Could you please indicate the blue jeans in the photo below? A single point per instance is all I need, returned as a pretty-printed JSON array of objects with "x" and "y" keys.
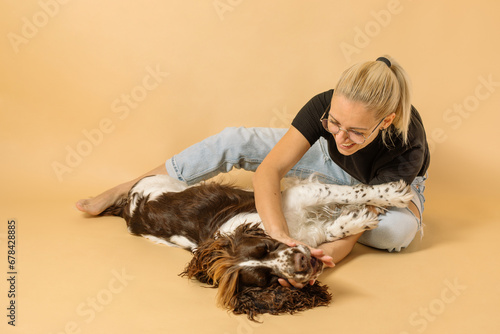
[{"x": 246, "y": 148}]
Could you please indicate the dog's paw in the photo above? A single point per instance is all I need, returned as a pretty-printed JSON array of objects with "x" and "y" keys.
[
  {"x": 352, "y": 221},
  {"x": 397, "y": 194}
]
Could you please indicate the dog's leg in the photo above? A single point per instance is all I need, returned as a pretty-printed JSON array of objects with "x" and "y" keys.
[
  {"x": 175, "y": 241},
  {"x": 351, "y": 221},
  {"x": 303, "y": 195}
]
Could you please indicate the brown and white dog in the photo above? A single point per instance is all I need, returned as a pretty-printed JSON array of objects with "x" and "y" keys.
[{"x": 221, "y": 227}]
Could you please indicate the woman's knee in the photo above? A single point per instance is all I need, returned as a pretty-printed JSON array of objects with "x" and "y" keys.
[
  {"x": 230, "y": 136},
  {"x": 250, "y": 139},
  {"x": 396, "y": 230}
]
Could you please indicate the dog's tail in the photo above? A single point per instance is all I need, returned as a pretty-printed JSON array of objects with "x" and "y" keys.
[{"x": 117, "y": 208}]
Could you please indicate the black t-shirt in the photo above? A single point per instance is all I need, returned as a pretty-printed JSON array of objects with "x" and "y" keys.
[{"x": 376, "y": 163}]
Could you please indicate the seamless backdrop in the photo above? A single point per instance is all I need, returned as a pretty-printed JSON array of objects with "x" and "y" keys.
[{"x": 95, "y": 93}]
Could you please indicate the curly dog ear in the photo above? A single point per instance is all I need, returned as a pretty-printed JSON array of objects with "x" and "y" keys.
[
  {"x": 277, "y": 299},
  {"x": 213, "y": 263},
  {"x": 205, "y": 256},
  {"x": 219, "y": 249}
]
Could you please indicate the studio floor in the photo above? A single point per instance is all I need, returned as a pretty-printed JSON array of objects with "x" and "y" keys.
[
  {"x": 96, "y": 93},
  {"x": 78, "y": 274}
]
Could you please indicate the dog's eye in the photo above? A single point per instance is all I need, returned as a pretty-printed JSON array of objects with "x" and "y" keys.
[
  {"x": 272, "y": 246},
  {"x": 262, "y": 250}
]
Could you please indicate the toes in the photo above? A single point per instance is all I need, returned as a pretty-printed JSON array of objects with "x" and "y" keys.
[
  {"x": 81, "y": 205},
  {"x": 85, "y": 206}
]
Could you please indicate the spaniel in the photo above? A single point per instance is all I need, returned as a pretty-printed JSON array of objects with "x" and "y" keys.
[{"x": 231, "y": 250}]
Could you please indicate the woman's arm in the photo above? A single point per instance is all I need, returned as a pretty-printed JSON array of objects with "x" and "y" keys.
[
  {"x": 266, "y": 181},
  {"x": 339, "y": 249}
]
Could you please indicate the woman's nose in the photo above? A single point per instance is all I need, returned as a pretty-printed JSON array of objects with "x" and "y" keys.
[{"x": 342, "y": 135}]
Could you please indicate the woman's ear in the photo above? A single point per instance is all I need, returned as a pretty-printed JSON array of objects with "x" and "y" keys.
[{"x": 388, "y": 121}]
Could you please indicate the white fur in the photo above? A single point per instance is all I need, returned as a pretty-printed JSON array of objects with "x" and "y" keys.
[
  {"x": 157, "y": 240},
  {"x": 317, "y": 212},
  {"x": 232, "y": 224},
  {"x": 175, "y": 241},
  {"x": 282, "y": 262},
  {"x": 154, "y": 186},
  {"x": 183, "y": 242}
]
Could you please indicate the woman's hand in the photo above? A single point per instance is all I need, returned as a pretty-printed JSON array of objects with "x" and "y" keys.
[{"x": 316, "y": 252}]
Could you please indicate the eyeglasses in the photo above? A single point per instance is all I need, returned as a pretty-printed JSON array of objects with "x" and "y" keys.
[{"x": 334, "y": 129}]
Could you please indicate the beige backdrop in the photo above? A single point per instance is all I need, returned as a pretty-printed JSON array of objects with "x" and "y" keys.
[{"x": 94, "y": 93}]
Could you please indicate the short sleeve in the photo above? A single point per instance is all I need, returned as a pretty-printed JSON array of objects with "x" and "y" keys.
[{"x": 307, "y": 120}]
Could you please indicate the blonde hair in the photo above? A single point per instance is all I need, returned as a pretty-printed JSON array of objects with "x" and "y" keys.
[{"x": 383, "y": 90}]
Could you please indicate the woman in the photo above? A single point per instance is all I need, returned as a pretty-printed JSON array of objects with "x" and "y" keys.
[{"x": 365, "y": 130}]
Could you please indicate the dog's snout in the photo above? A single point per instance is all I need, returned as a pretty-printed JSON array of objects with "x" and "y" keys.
[{"x": 300, "y": 261}]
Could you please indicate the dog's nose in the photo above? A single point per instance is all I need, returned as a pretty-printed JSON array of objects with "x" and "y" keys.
[{"x": 300, "y": 261}]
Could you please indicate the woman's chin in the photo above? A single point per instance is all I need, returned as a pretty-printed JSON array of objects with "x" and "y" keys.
[{"x": 348, "y": 149}]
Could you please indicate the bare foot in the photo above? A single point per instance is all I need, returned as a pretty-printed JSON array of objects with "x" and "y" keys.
[{"x": 96, "y": 205}]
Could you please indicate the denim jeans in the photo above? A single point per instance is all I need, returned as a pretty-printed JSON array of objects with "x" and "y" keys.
[{"x": 246, "y": 148}]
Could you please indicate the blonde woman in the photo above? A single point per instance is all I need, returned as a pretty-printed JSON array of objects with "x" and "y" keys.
[{"x": 363, "y": 131}]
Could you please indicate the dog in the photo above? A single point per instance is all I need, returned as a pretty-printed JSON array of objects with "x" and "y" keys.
[{"x": 220, "y": 225}]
